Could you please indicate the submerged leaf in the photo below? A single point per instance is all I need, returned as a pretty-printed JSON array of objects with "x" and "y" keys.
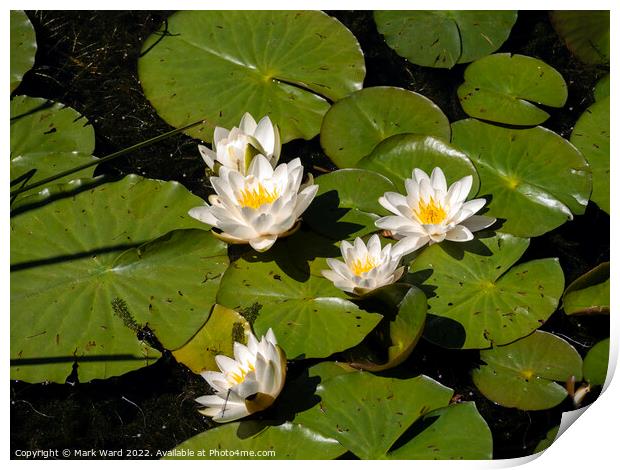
[{"x": 23, "y": 46}]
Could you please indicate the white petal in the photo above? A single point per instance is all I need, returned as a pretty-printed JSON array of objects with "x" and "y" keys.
[
  {"x": 478, "y": 222},
  {"x": 249, "y": 386},
  {"x": 466, "y": 183},
  {"x": 226, "y": 364},
  {"x": 247, "y": 124},
  {"x": 263, "y": 243},
  {"x": 231, "y": 413},
  {"x": 271, "y": 337},
  {"x": 459, "y": 234},
  {"x": 339, "y": 267},
  {"x": 374, "y": 247},
  {"x": 260, "y": 167},
  {"x": 409, "y": 244},
  {"x": 219, "y": 134},
  {"x": 304, "y": 199},
  {"x": 252, "y": 344},
  {"x": 265, "y": 134},
  {"x": 207, "y": 155},
  {"x": 243, "y": 354},
  {"x": 438, "y": 180},
  {"x": 203, "y": 213},
  {"x": 420, "y": 175},
  {"x": 474, "y": 205}
]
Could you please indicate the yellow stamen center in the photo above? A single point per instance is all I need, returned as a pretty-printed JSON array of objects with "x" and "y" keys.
[
  {"x": 256, "y": 197},
  {"x": 239, "y": 375},
  {"x": 430, "y": 212},
  {"x": 360, "y": 267}
]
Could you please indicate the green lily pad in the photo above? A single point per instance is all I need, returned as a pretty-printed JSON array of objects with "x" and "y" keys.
[
  {"x": 591, "y": 136},
  {"x": 523, "y": 374},
  {"x": 217, "y": 336},
  {"x": 23, "y": 46},
  {"x": 602, "y": 88},
  {"x": 218, "y": 65},
  {"x": 442, "y": 38},
  {"x": 85, "y": 277},
  {"x": 455, "y": 432},
  {"x": 478, "y": 299},
  {"x": 47, "y": 138},
  {"x": 310, "y": 317},
  {"x": 397, "y": 156},
  {"x": 596, "y": 363},
  {"x": 548, "y": 440},
  {"x": 347, "y": 203},
  {"x": 589, "y": 293},
  {"x": 367, "y": 414},
  {"x": 586, "y": 33},
  {"x": 536, "y": 179},
  {"x": 253, "y": 439},
  {"x": 405, "y": 311},
  {"x": 502, "y": 87},
  {"x": 356, "y": 124}
]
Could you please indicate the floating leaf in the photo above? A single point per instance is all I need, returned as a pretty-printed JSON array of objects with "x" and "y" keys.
[
  {"x": 347, "y": 203},
  {"x": 442, "y": 38},
  {"x": 397, "y": 156},
  {"x": 219, "y": 64},
  {"x": 367, "y": 414},
  {"x": 548, "y": 440},
  {"x": 477, "y": 299},
  {"x": 356, "y": 124},
  {"x": 591, "y": 136},
  {"x": 523, "y": 374},
  {"x": 535, "y": 178},
  {"x": 23, "y": 47},
  {"x": 586, "y": 33},
  {"x": 85, "y": 277},
  {"x": 502, "y": 87},
  {"x": 596, "y": 363},
  {"x": 216, "y": 336},
  {"x": 601, "y": 90},
  {"x": 252, "y": 439},
  {"x": 455, "y": 432},
  {"x": 589, "y": 293},
  {"x": 47, "y": 138},
  {"x": 310, "y": 317},
  {"x": 403, "y": 326}
]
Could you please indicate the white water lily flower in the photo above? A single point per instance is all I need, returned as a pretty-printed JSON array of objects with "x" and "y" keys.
[
  {"x": 258, "y": 207},
  {"x": 236, "y": 148},
  {"x": 430, "y": 212},
  {"x": 365, "y": 267},
  {"x": 248, "y": 383}
]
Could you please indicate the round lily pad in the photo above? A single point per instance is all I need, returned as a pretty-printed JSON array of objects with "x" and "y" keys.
[
  {"x": 89, "y": 272},
  {"x": 503, "y": 87},
  {"x": 252, "y": 439},
  {"x": 589, "y": 293},
  {"x": 286, "y": 291},
  {"x": 443, "y": 38},
  {"x": 217, "y": 336},
  {"x": 347, "y": 203},
  {"x": 476, "y": 297},
  {"x": 601, "y": 90},
  {"x": 536, "y": 180},
  {"x": 47, "y": 138},
  {"x": 523, "y": 374},
  {"x": 591, "y": 136},
  {"x": 217, "y": 65},
  {"x": 596, "y": 363},
  {"x": 397, "y": 156},
  {"x": 367, "y": 414},
  {"x": 586, "y": 33},
  {"x": 455, "y": 432},
  {"x": 23, "y": 46},
  {"x": 356, "y": 124}
]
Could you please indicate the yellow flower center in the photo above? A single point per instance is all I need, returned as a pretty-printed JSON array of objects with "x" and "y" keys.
[
  {"x": 360, "y": 267},
  {"x": 256, "y": 197},
  {"x": 430, "y": 212},
  {"x": 239, "y": 375}
]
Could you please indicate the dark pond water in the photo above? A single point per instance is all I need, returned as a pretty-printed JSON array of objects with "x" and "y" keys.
[{"x": 87, "y": 60}]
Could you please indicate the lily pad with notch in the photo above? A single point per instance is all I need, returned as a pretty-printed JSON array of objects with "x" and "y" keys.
[
  {"x": 346, "y": 205},
  {"x": 476, "y": 285},
  {"x": 523, "y": 374},
  {"x": 536, "y": 180},
  {"x": 397, "y": 156},
  {"x": 23, "y": 47},
  {"x": 47, "y": 138},
  {"x": 503, "y": 87},
  {"x": 310, "y": 317},
  {"x": 217, "y": 65},
  {"x": 444, "y": 38},
  {"x": 356, "y": 124},
  {"x": 91, "y": 273},
  {"x": 588, "y": 294}
]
